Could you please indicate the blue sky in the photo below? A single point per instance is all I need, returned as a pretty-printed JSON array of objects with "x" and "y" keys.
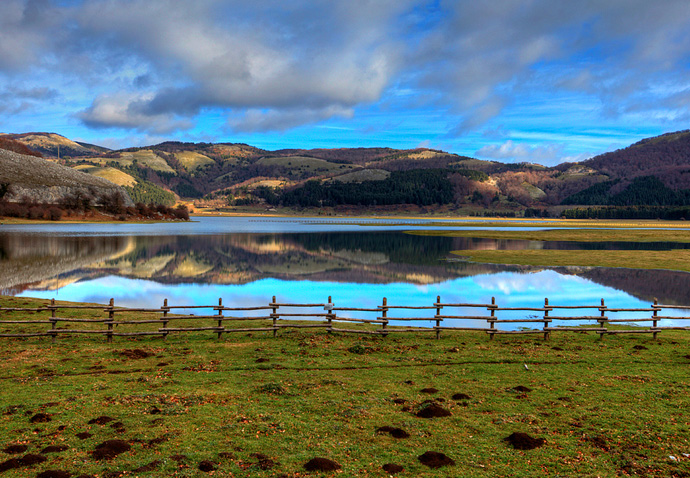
[{"x": 544, "y": 81}]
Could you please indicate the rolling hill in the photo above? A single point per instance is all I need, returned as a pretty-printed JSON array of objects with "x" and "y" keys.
[{"x": 655, "y": 171}]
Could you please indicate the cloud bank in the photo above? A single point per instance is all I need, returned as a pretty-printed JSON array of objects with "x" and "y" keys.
[{"x": 158, "y": 66}]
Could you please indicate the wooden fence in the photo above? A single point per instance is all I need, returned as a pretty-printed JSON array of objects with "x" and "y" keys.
[{"x": 383, "y": 320}]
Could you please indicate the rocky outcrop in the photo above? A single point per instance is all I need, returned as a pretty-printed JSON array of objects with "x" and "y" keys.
[{"x": 47, "y": 182}]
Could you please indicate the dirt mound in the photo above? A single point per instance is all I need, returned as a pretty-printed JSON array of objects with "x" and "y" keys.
[
  {"x": 136, "y": 354},
  {"x": 119, "y": 427},
  {"x": 521, "y": 389},
  {"x": 321, "y": 464},
  {"x": 263, "y": 462},
  {"x": 640, "y": 347},
  {"x": 558, "y": 349},
  {"x": 110, "y": 449},
  {"x": 10, "y": 464},
  {"x": 429, "y": 390},
  {"x": 54, "y": 449},
  {"x": 54, "y": 474},
  {"x": 113, "y": 474},
  {"x": 598, "y": 441},
  {"x": 522, "y": 441},
  {"x": 31, "y": 459},
  {"x": 460, "y": 396},
  {"x": 434, "y": 459},
  {"x": 40, "y": 418},
  {"x": 150, "y": 467},
  {"x": 102, "y": 420},
  {"x": 207, "y": 466},
  {"x": 26, "y": 460},
  {"x": 433, "y": 410},
  {"x": 156, "y": 441},
  {"x": 179, "y": 458},
  {"x": 392, "y": 468},
  {"x": 15, "y": 449},
  {"x": 83, "y": 435},
  {"x": 394, "y": 432},
  {"x": 262, "y": 360},
  {"x": 399, "y": 401}
]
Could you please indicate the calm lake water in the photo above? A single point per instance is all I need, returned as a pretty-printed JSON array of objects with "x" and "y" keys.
[{"x": 246, "y": 261}]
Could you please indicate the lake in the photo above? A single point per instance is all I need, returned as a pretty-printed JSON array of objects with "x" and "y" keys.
[{"x": 246, "y": 261}]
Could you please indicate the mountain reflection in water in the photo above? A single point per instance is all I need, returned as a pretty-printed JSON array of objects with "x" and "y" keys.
[{"x": 40, "y": 262}]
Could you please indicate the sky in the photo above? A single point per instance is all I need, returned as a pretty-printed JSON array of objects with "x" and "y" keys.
[{"x": 543, "y": 81}]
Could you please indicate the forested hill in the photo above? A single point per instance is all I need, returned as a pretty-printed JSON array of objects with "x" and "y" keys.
[
  {"x": 653, "y": 172},
  {"x": 666, "y": 157}
]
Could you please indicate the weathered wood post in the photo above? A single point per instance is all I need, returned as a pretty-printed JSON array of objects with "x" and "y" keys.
[
  {"x": 493, "y": 316},
  {"x": 438, "y": 319},
  {"x": 546, "y": 317},
  {"x": 602, "y": 319},
  {"x": 274, "y": 315},
  {"x": 220, "y": 316},
  {"x": 654, "y": 316},
  {"x": 53, "y": 321},
  {"x": 384, "y": 317},
  {"x": 111, "y": 318},
  {"x": 329, "y": 307},
  {"x": 165, "y": 318}
]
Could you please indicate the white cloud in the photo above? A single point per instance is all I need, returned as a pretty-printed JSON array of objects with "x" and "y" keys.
[
  {"x": 125, "y": 111},
  {"x": 281, "y": 64},
  {"x": 281, "y": 120},
  {"x": 510, "y": 151}
]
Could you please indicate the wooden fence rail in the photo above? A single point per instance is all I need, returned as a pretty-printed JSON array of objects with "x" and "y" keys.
[{"x": 108, "y": 321}]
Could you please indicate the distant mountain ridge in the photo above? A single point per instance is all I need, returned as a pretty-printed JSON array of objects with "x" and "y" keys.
[{"x": 241, "y": 174}]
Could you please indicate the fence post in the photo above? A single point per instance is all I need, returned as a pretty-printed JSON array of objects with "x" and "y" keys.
[
  {"x": 546, "y": 316},
  {"x": 654, "y": 316},
  {"x": 111, "y": 318},
  {"x": 438, "y": 320},
  {"x": 329, "y": 308},
  {"x": 602, "y": 320},
  {"x": 53, "y": 320},
  {"x": 275, "y": 317},
  {"x": 493, "y": 316},
  {"x": 220, "y": 315},
  {"x": 384, "y": 317},
  {"x": 164, "y": 318}
]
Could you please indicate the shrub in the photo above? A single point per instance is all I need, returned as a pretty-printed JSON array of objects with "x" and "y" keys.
[{"x": 55, "y": 213}]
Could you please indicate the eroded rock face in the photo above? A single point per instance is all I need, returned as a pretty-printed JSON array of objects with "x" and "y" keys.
[{"x": 47, "y": 182}]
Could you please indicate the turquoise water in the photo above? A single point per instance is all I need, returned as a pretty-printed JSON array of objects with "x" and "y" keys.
[{"x": 246, "y": 261}]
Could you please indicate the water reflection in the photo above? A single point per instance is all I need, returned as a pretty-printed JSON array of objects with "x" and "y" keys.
[{"x": 352, "y": 261}]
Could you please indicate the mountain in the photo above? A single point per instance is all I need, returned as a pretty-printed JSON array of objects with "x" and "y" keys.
[
  {"x": 35, "y": 179},
  {"x": 51, "y": 145},
  {"x": 666, "y": 157},
  {"x": 654, "y": 171}
]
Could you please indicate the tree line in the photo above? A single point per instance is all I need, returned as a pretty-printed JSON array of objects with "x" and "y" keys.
[{"x": 422, "y": 187}]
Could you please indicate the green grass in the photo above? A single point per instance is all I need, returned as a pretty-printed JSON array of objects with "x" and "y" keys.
[
  {"x": 307, "y": 164},
  {"x": 573, "y": 235},
  {"x": 605, "y": 407},
  {"x": 676, "y": 259}
]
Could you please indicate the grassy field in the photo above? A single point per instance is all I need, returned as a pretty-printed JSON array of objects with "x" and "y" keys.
[
  {"x": 254, "y": 405},
  {"x": 675, "y": 259}
]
